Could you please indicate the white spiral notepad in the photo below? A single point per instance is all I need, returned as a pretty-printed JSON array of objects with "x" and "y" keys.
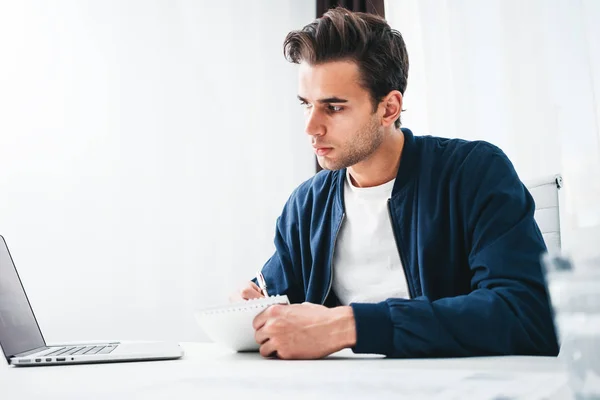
[{"x": 231, "y": 324}]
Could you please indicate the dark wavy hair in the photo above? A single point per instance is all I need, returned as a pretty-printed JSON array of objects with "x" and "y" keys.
[{"x": 367, "y": 39}]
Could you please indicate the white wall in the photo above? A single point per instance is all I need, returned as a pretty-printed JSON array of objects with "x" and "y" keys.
[
  {"x": 524, "y": 75},
  {"x": 146, "y": 149}
]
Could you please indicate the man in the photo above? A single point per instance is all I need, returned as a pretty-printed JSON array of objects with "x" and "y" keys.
[{"x": 405, "y": 246}]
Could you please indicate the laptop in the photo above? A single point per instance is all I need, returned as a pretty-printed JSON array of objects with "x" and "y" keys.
[{"x": 22, "y": 342}]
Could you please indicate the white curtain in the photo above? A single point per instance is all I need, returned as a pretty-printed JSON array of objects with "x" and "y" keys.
[
  {"x": 524, "y": 75},
  {"x": 146, "y": 149}
]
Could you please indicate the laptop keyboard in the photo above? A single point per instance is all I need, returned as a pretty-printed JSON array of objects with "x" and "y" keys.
[{"x": 80, "y": 350}]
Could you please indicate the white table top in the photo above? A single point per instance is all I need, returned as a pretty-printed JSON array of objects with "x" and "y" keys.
[{"x": 208, "y": 371}]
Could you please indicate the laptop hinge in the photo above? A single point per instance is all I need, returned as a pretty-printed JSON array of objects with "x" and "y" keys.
[{"x": 27, "y": 353}]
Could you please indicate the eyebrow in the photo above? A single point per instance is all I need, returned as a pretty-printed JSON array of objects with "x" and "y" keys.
[{"x": 326, "y": 100}]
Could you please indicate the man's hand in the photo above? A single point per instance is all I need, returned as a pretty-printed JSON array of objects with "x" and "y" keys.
[
  {"x": 304, "y": 331},
  {"x": 250, "y": 291}
]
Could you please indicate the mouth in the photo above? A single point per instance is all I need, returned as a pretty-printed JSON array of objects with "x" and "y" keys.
[{"x": 322, "y": 151}]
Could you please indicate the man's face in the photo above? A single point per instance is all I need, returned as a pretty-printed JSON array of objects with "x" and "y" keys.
[{"x": 340, "y": 121}]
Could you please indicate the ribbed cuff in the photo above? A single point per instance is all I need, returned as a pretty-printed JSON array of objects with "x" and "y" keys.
[{"x": 374, "y": 329}]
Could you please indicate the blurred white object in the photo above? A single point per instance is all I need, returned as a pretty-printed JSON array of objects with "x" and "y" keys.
[
  {"x": 574, "y": 287},
  {"x": 547, "y": 214}
]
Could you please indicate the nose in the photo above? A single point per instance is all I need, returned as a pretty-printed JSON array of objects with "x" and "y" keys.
[{"x": 314, "y": 124}]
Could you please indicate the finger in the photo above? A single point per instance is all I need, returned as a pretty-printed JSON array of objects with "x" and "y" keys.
[
  {"x": 257, "y": 289},
  {"x": 251, "y": 292},
  {"x": 254, "y": 287},
  {"x": 261, "y": 336},
  {"x": 261, "y": 319},
  {"x": 268, "y": 349}
]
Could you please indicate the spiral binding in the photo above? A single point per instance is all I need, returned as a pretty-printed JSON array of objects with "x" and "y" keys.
[{"x": 251, "y": 304}]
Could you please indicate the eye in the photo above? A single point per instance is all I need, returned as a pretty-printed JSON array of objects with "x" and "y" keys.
[
  {"x": 305, "y": 104},
  {"x": 334, "y": 109}
]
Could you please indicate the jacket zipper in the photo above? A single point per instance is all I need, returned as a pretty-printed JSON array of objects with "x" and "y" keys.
[
  {"x": 337, "y": 232},
  {"x": 402, "y": 260}
]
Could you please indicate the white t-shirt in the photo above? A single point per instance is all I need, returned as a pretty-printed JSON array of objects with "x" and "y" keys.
[{"x": 366, "y": 262}]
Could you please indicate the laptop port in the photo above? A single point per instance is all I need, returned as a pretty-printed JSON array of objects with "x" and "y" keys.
[
  {"x": 48, "y": 359},
  {"x": 38, "y": 360},
  {"x": 60, "y": 359}
]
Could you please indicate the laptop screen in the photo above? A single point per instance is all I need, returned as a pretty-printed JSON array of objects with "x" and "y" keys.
[{"x": 19, "y": 331}]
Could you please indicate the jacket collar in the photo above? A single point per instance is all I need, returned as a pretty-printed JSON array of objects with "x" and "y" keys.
[
  {"x": 406, "y": 170},
  {"x": 408, "y": 162}
]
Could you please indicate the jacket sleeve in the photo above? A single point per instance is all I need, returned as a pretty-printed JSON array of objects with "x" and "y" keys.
[
  {"x": 507, "y": 310},
  {"x": 279, "y": 270}
]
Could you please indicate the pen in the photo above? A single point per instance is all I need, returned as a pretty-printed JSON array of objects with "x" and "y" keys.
[{"x": 261, "y": 283}]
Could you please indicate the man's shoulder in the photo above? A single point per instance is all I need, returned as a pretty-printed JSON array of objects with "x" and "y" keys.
[
  {"x": 468, "y": 165},
  {"x": 457, "y": 152},
  {"x": 457, "y": 146}
]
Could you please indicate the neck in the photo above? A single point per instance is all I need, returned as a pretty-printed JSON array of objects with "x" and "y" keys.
[{"x": 382, "y": 166}]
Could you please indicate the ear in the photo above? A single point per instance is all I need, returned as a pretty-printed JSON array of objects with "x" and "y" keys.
[{"x": 391, "y": 106}]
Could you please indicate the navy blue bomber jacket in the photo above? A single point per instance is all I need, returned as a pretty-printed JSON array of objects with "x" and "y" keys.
[{"x": 468, "y": 242}]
